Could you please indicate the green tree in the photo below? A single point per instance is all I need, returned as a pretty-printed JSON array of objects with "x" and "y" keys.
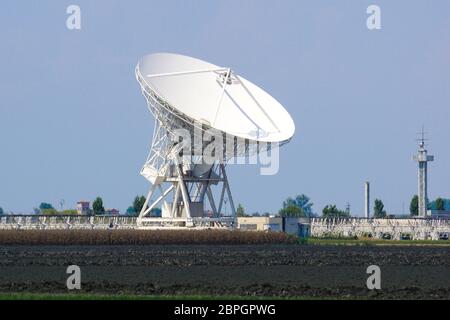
[
  {"x": 292, "y": 210},
  {"x": 414, "y": 206},
  {"x": 44, "y": 205},
  {"x": 131, "y": 211},
  {"x": 138, "y": 203},
  {"x": 302, "y": 201},
  {"x": 97, "y": 206},
  {"x": 331, "y": 211},
  {"x": 155, "y": 212},
  {"x": 240, "y": 212},
  {"x": 69, "y": 212},
  {"x": 378, "y": 210},
  {"x": 49, "y": 212},
  {"x": 1, "y": 211},
  {"x": 440, "y": 205}
]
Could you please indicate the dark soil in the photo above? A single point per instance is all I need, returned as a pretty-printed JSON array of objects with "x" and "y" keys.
[{"x": 257, "y": 270}]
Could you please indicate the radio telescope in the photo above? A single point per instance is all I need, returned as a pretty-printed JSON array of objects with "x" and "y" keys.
[{"x": 201, "y": 99}]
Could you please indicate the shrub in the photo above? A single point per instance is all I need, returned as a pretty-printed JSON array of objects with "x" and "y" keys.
[{"x": 142, "y": 237}]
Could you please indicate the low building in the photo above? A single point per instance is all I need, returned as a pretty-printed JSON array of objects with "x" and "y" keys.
[
  {"x": 83, "y": 207},
  {"x": 112, "y": 212},
  {"x": 297, "y": 226},
  {"x": 438, "y": 214},
  {"x": 260, "y": 223}
]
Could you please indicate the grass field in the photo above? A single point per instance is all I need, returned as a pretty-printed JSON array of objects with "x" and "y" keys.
[
  {"x": 375, "y": 242},
  {"x": 34, "y": 296}
]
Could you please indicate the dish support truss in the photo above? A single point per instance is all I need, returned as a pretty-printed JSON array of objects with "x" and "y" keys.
[
  {"x": 183, "y": 188},
  {"x": 189, "y": 182}
]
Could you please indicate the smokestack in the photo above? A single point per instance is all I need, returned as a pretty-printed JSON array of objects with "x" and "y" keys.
[{"x": 367, "y": 200}]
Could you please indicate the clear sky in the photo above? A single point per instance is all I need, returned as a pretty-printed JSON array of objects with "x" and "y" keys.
[{"x": 73, "y": 123}]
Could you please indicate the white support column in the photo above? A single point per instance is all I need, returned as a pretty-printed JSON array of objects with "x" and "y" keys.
[
  {"x": 144, "y": 207},
  {"x": 175, "y": 201},
  {"x": 184, "y": 192},
  {"x": 158, "y": 200},
  {"x": 212, "y": 202},
  {"x": 230, "y": 198}
]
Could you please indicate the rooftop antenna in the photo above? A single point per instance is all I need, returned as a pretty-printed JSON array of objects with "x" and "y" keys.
[{"x": 422, "y": 138}]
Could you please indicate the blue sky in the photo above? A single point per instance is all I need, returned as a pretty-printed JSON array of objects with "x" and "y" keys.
[{"x": 73, "y": 123}]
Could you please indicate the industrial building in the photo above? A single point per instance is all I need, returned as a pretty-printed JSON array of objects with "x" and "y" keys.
[
  {"x": 291, "y": 225},
  {"x": 83, "y": 207},
  {"x": 438, "y": 214}
]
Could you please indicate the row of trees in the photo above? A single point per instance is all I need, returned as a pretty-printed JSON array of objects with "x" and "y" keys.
[
  {"x": 48, "y": 209},
  {"x": 133, "y": 210},
  {"x": 301, "y": 207},
  {"x": 136, "y": 207},
  {"x": 331, "y": 211},
  {"x": 138, "y": 204},
  {"x": 438, "y": 204},
  {"x": 97, "y": 208}
]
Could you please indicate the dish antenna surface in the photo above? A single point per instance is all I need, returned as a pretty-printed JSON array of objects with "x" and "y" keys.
[{"x": 194, "y": 99}]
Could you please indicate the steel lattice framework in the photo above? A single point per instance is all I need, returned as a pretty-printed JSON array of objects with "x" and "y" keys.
[{"x": 188, "y": 189}]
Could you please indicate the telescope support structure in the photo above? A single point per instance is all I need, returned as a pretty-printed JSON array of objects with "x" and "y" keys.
[{"x": 181, "y": 188}]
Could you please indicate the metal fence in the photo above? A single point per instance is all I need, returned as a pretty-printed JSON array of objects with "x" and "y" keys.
[{"x": 66, "y": 222}]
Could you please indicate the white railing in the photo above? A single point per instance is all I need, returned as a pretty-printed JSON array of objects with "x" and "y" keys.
[
  {"x": 418, "y": 229},
  {"x": 66, "y": 222}
]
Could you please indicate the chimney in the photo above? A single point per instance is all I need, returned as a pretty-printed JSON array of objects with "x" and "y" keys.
[{"x": 367, "y": 200}]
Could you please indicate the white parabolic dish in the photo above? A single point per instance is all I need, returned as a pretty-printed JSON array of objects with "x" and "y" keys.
[{"x": 216, "y": 96}]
